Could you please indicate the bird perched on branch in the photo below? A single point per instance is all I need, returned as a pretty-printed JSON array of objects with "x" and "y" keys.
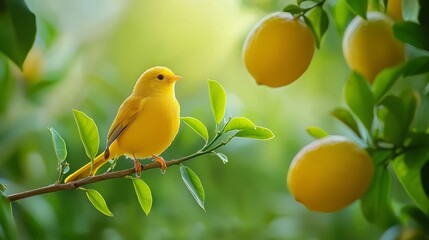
[{"x": 145, "y": 125}]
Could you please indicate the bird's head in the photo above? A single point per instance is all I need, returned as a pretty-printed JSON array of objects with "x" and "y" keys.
[{"x": 156, "y": 79}]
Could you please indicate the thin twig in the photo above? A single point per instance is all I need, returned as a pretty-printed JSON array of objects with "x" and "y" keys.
[{"x": 101, "y": 177}]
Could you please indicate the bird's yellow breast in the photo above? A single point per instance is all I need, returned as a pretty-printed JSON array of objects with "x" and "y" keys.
[{"x": 154, "y": 128}]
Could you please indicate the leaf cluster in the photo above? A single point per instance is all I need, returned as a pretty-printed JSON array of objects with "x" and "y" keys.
[
  {"x": 415, "y": 33},
  {"x": 314, "y": 16},
  {"x": 383, "y": 121},
  {"x": 225, "y": 131}
]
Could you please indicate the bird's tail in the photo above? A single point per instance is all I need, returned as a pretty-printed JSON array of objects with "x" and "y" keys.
[{"x": 85, "y": 171}]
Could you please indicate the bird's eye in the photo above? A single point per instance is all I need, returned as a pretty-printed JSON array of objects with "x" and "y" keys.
[{"x": 160, "y": 77}]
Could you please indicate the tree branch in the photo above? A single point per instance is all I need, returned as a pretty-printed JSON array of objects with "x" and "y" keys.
[{"x": 101, "y": 177}]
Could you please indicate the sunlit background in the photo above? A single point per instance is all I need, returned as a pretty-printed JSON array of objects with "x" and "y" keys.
[{"x": 87, "y": 56}]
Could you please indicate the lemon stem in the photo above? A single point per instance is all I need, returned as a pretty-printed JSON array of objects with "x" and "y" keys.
[{"x": 305, "y": 10}]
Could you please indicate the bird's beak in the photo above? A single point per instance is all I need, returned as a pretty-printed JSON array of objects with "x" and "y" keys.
[{"x": 176, "y": 77}]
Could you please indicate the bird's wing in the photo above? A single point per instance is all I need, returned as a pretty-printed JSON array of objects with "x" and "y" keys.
[{"x": 127, "y": 112}]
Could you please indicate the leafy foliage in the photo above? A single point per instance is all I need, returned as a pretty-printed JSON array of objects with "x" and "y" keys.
[
  {"x": 293, "y": 9},
  {"x": 233, "y": 127},
  {"x": 6, "y": 83},
  {"x": 359, "y": 98},
  {"x": 61, "y": 153},
  {"x": 88, "y": 133},
  {"x": 221, "y": 156},
  {"x": 376, "y": 206},
  {"x": 412, "y": 33},
  {"x": 394, "y": 120},
  {"x": 347, "y": 118},
  {"x": 7, "y": 223},
  {"x": 317, "y": 132},
  {"x": 197, "y": 126},
  {"x": 18, "y": 30},
  {"x": 342, "y": 15},
  {"x": 358, "y": 7},
  {"x": 317, "y": 20},
  {"x": 315, "y": 17},
  {"x": 193, "y": 183},
  {"x": 98, "y": 201},
  {"x": 3, "y": 187},
  {"x": 260, "y": 133},
  {"x": 143, "y": 194},
  {"x": 408, "y": 170},
  {"x": 384, "y": 121},
  {"x": 217, "y": 100},
  {"x": 385, "y": 80},
  {"x": 239, "y": 123},
  {"x": 380, "y": 115},
  {"x": 59, "y": 145}
]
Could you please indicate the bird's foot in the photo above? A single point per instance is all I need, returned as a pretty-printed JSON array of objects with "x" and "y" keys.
[
  {"x": 137, "y": 167},
  {"x": 161, "y": 162}
]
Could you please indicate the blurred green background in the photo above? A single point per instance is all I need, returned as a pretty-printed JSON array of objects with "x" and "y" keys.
[{"x": 87, "y": 56}]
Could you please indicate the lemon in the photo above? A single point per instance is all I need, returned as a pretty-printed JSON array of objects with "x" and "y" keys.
[
  {"x": 32, "y": 68},
  {"x": 278, "y": 50},
  {"x": 329, "y": 174},
  {"x": 369, "y": 45}
]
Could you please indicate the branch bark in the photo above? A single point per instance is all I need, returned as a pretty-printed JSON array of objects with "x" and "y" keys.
[{"x": 101, "y": 177}]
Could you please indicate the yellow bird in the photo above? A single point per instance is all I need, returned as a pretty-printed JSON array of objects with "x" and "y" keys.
[{"x": 145, "y": 125}]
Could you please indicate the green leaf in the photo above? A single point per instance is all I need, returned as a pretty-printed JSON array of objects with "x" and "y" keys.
[
  {"x": 399, "y": 116},
  {"x": 221, "y": 156},
  {"x": 7, "y": 83},
  {"x": 144, "y": 194},
  {"x": 385, "y": 80},
  {"x": 293, "y": 9},
  {"x": 394, "y": 131},
  {"x": 412, "y": 33},
  {"x": 98, "y": 201},
  {"x": 388, "y": 77},
  {"x": 217, "y": 100},
  {"x": 377, "y": 5},
  {"x": 424, "y": 173},
  {"x": 358, "y": 97},
  {"x": 342, "y": 15},
  {"x": 408, "y": 171},
  {"x": 47, "y": 31},
  {"x": 193, "y": 184},
  {"x": 410, "y": 101},
  {"x": 7, "y": 223},
  {"x": 358, "y": 7},
  {"x": 65, "y": 167},
  {"x": 299, "y": 2},
  {"x": 260, "y": 133},
  {"x": 416, "y": 150},
  {"x": 316, "y": 132},
  {"x": 375, "y": 204},
  {"x": 18, "y": 30},
  {"x": 380, "y": 156},
  {"x": 88, "y": 133},
  {"x": 317, "y": 20},
  {"x": 423, "y": 16},
  {"x": 239, "y": 123},
  {"x": 3, "y": 187},
  {"x": 417, "y": 66},
  {"x": 197, "y": 126},
  {"x": 59, "y": 145},
  {"x": 347, "y": 118},
  {"x": 417, "y": 215}
]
